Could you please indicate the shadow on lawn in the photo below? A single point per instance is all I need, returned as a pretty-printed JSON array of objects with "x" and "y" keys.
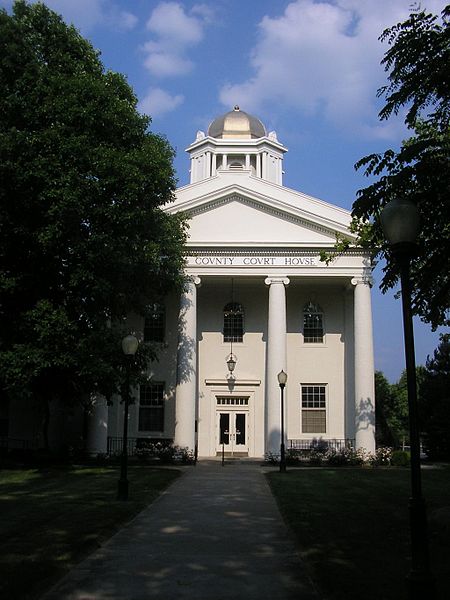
[{"x": 52, "y": 518}]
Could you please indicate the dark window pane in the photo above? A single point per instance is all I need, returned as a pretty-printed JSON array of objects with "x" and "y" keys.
[
  {"x": 224, "y": 428},
  {"x": 313, "y": 396},
  {"x": 151, "y": 407},
  {"x": 151, "y": 419},
  {"x": 312, "y": 324},
  {"x": 155, "y": 324},
  {"x": 233, "y": 322},
  {"x": 240, "y": 428}
]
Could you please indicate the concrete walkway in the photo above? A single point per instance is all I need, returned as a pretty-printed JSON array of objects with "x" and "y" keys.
[{"x": 215, "y": 534}]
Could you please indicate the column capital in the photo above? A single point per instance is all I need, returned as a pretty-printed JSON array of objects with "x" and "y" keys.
[
  {"x": 195, "y": 279},
  {"x": 272, "y": 279},
  {"x": 364, "y": 279}
]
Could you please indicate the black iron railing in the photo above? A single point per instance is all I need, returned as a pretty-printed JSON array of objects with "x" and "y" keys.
[
  {"x": 115, "y": 445},
  {"x": 7, "y": 443},
  {"x": 321, "y": 444},
  {"x": 134, "y": 444}
]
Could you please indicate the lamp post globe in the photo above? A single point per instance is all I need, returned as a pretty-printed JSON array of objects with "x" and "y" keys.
[
  {"x": 400, "y": 223},
  {"x": 129, "y": 347}
]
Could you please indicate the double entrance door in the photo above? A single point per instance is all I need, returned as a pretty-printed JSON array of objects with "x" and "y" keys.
[{"x": 232, "y": 425}]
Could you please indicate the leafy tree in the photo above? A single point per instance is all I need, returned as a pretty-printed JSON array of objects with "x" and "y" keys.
[
  {"x": 83, "y": 238},
  {"x": 384, "y": 403},
  {"x": 400, "y": 414},
  {"x": 418, "y": 63},
  {"x": 435, "y": 402},
  {"x": 391, "y": 405}
]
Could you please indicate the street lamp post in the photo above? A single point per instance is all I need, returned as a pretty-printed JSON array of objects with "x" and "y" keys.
[
  {"x": 400, "y": 223},
  {"x": 282, "y": 378},
  {"x": 129, "y": 347}
]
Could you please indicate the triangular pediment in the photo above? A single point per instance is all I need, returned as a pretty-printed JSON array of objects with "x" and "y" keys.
[
  {"x": 237, "y": 219},
  {"x": 263, "y": 215}
]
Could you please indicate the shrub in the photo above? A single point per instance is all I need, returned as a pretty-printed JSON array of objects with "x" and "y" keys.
[
  {"x": 382, "y": 456},
  {"x": 164, "y": 452},
  {"x": 400, "y": 458},
  {"x": 316, "y": 457}
]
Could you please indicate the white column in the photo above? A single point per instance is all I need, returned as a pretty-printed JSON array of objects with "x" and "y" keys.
[
  {"x": 224, "y": 161},
  {"x": 264, "y": 165},
  {"x": 214, "y": 165},
  {"x": 208, "y": 164},
  {"x": 276, "y": 360},
  {"x": 258, "y": 165},
  {"x": 97, "y": 434},
  {"x": 192, "y": 170},
  {"x": 247, "y": 162},
  {"x": 186, "y": 391},
  {"x": 364, "y": 366}
]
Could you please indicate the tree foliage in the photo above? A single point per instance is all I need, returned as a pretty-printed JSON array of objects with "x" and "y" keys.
[
  {"x": 391, "y": 405},
  {"x": 83, "y": 238},
  {"x": 435, "y": 402},
  {"x": 418, "y": 63}
]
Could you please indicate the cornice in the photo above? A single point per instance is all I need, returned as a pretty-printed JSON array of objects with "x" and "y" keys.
[{"x": 270, "y": 251}]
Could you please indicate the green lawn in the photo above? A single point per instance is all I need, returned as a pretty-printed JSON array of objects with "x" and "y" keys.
[
  {"x": 52, "y": 518},
  {"x": 352, "y": 527}
]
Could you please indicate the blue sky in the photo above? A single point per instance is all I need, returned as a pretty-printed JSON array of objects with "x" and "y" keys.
[{"x": 309, "y": 69}]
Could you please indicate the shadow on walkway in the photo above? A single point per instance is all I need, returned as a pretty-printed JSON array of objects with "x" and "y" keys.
[{"x": 215, "y": 534}]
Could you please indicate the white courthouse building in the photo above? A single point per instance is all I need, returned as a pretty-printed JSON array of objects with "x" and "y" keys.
[{"x": 257, "y": 291}]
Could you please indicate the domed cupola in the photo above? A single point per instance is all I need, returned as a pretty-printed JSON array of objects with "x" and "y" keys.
[
  {"x": 236, "y": 146},
  {"x": 236, "y": 124}
]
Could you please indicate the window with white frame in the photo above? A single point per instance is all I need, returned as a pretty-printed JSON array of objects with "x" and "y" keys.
[
  {"x": 151, "y": 407},
  {"x": 312, "y": 323},
  {"x": 314, "y": 408},
  {"x": 155, "y": 323},
  {"x": 233, "y": 322}
]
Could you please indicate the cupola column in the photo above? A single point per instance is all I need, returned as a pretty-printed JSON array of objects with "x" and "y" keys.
[
  {"x": 364, "y": 366},
  {"x": 224, "y": 161},
  {"x": 264, "y": 165},
  {"x": 214, "y": 165},
  {"x": 275, "y": 359},
  {"x": 186, "y": 390},
  {"x": 258, "y": 165}
]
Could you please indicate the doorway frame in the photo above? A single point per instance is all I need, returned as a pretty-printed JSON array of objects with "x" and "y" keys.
[
  {"x": 242, "y": 388},
  {"x": 233, "y": 410}
]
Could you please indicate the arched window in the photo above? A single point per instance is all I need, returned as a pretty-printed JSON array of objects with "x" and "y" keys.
[
  {"x": 233, "y": 322},
  {"x": 312, "y": 323}
]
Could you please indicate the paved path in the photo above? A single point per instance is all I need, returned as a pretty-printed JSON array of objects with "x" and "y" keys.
[{"x": 215, "y": 534}]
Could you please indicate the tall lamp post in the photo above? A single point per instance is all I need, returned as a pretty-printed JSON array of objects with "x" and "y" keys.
[
  {"x": 400, "y": 223},
  {"x": 129, "y": 346},
  {"x": 282, "y": 378}
]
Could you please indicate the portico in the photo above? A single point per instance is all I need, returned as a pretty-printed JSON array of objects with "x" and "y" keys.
[{"x": 256, "y": 288}]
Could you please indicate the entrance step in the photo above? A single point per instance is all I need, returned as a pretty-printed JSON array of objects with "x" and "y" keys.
[{"x": 233, "y": 454}]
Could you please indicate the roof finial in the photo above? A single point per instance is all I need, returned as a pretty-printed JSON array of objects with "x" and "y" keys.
[{"x": 236, "y": 107}]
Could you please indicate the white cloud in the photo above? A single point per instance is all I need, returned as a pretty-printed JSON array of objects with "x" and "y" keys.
[
  {"x": 322, "y": 58},
  {"x": 87, "y": 14},
  {"x": 163, "y": 64},
  {"x": 174, "y": 32},
  {"x": 158, "y": 102}
]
